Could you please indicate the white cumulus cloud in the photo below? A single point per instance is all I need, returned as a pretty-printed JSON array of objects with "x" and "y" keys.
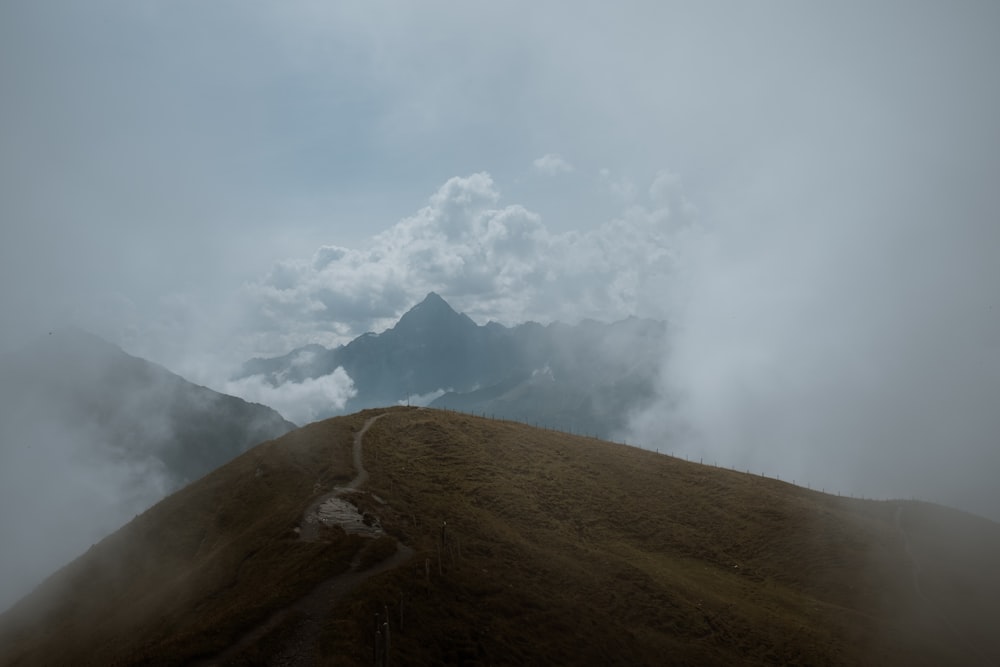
[
  {"x": 552, "y": 164},
  {"x": 299, "y": 402},
  {"x": 490, "y": 260}
]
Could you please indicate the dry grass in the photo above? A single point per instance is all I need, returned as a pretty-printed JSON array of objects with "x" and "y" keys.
[{"x": 558, "y": 550}]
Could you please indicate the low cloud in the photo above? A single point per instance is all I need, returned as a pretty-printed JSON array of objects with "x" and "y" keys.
[
  {"x": 299, "y": 402},
  {"x": 61, "y": 490},
  {"x": 422, "y": 400},
  {"x": 64, "y": 484},
  {"x": 846, "y": 340}
]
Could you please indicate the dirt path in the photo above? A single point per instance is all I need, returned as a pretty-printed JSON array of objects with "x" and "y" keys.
[
  {"x": 316, "y": 605},
  {"x": 360, "y": 474},
  {"x": 309, "y": 529},
  {"x": 299, "y": 650}
]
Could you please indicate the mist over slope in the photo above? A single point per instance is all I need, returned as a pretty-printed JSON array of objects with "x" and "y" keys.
[
  {"x": 499, "y": 543},
  {"x": 90, "y": 436},
  {"x": 584, "y": 378}
]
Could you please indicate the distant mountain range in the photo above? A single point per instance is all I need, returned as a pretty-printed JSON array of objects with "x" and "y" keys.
[
  {"x": 584, "y": 378},
  {"x": 90, "y": 435}
]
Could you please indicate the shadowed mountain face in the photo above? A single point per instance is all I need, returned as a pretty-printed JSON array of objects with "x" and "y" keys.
[
  {"x": 584, "y": 378},
  {"x": 89, "y": 436},
  {"x": 493, "y": 542}
]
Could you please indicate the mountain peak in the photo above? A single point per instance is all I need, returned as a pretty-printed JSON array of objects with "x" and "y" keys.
[
  {"x": 434, "y": 300},
  {"x": 432, "y": 314}
]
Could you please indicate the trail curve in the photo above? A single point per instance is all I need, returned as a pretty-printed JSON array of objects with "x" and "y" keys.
[
  {"x": 309, "y": 527},
  {"x": 317, "y": 603}
]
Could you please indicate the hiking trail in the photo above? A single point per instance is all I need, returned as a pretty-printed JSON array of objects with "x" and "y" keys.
[{"x": 316, "y": 605}]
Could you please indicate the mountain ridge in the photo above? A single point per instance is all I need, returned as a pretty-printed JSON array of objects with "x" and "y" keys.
[
  {"x": 78, "y": 366},
  {"x": 600, "y": 371},
  {"x": 529, "y": 547}
]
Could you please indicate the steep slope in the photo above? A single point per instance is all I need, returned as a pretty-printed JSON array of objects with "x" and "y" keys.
[
  {"x": 136, "y": 405},
  {"x": 90, "y": 436},
  {"x": 528, "y": 547}
]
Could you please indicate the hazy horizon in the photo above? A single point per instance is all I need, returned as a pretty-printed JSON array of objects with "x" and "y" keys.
[{"x": 806, "y": 193}]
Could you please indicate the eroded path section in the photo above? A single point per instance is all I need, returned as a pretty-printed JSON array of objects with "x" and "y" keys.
[{"x": 333, "y": 509}]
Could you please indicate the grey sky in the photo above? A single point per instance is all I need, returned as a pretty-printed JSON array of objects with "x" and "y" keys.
[{"x": 808, "y": 192}]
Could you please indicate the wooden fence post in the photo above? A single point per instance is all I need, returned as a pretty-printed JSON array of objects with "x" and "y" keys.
[{"x": 385, "y": 642}]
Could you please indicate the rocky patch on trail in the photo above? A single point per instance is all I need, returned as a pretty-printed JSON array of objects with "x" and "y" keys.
[{"x": 338, "y": 511}]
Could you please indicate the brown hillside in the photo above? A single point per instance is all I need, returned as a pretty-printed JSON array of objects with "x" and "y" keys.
[{"x": 557, "y": 550}]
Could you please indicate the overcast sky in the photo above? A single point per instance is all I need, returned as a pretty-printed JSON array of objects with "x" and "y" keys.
[{"x": 808, "y": 193}]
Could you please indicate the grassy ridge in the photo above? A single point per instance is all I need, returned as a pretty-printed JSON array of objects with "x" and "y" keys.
[
  {"x": 558, "y": 549},
  {"x": 577, "y": 548},
  {"x": 189, "y": 575}
]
